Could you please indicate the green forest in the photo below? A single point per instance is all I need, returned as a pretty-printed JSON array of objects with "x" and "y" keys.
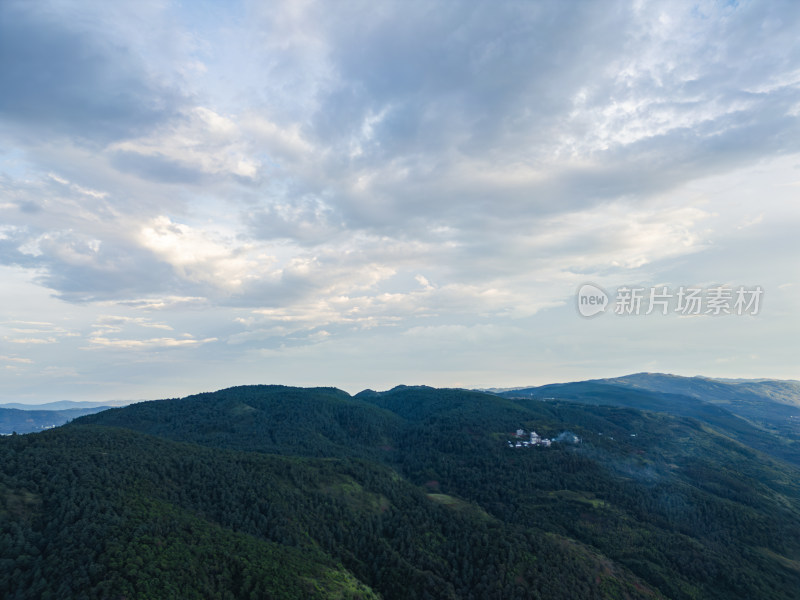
[{"x": 276, "y": 492}]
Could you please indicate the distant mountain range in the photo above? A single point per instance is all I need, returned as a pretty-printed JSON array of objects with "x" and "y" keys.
[
  {"x": 657, "y": 487},
  {"x": 16, "y": 417},
  {"x": 764, "y": 413},
  {"x": 65, "y": 405},
  {"x": 13, "y": 420},
  {"x": 735, "y": 392},
  {"x": 709, "y": 389}
]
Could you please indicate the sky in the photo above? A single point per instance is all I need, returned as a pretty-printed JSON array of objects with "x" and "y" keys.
[{"x": 196, "y": 195}]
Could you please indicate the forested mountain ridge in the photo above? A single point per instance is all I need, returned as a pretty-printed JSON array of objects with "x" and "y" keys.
[
  {"x": 265, "y": 418},
  {"x": 764, "y": 414},
  {"x": 722, "y": 391},
  {"x": 410, "y": 493}
]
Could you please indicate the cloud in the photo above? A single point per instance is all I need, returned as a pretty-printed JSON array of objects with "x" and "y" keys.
[
  {"x": 303, "y": 219},
  {"x": 169, "y": 302},
  {"x": 456, "y": 334},
  {"x": 124, "y": 333},
  {"x": 201, "y": 143},
  {"x": 15, "y": 359},
  {"x": 34, "y": 332},
  {"x": 62, "y": 74},
  {"x": 113, "y": 323},
  {"x": 50, "y": 340},
  {"x": 296, "y": 174},
  {"x": 127, "y": 344},
  {"x": 475, "y": 122},
  {"x": 82, "y": 268},
  {"x": 202, "y": 256}
]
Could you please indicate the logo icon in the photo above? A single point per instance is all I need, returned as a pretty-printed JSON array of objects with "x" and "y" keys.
[{"x": 592, "y": 300}]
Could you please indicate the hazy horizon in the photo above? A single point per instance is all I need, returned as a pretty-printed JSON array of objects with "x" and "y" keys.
[{"x": 124, "y": 402}]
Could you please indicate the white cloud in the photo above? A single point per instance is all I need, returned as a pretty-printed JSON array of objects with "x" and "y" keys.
[
  {"x": 34, "y": 333},
  {"x": 16, "y": 359},
  {"x": 50, "y": 340},
  {"x": 168, "y": 302},
  {"x": 201, "y": 141},
  {"x": 203, "y": 255},
  {"x": 127, "y": 344},
  {"x": 116, "y": 323}
]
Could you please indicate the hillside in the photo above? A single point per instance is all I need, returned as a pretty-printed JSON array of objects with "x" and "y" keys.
[
  {"x": 762, "y": 414},
  {"x": 112, "y": 513},
  {"x": 265, "y": 418},
  {"x": 723, "y": 391},
  {"x": 770, "y": 403},
  {"x": 269, "y": 491}
]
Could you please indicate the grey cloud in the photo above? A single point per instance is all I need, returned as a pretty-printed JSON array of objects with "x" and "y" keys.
[
  {"x": 29, "y": 207},
  {"x": 10, "y": 254},
  {"x": 81, "y": 259},
  {"x": 59, "y": 79},
  {"x": 497, "y": 83},
  {"x": 440, "y": 86},
  {"x": 305, "y": 223},
  {"x": 157, "y": 168},
  {"x": 473, "y": 72},
  {"x": 78, "y": 274}
]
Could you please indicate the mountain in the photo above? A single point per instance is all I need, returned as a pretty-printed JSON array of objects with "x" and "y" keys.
[
  {"x": 265, "y": 418},
  {"x": 723, "y": 391},
  {"x": 763, "y": 414},
  {"x": 26, "y": 421},
  {"x": 93, "y": 512},
  {"x": 65, "y": 404},
  {"x": 271, "y": 491},
  {"x": 770, "y": 403}
]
